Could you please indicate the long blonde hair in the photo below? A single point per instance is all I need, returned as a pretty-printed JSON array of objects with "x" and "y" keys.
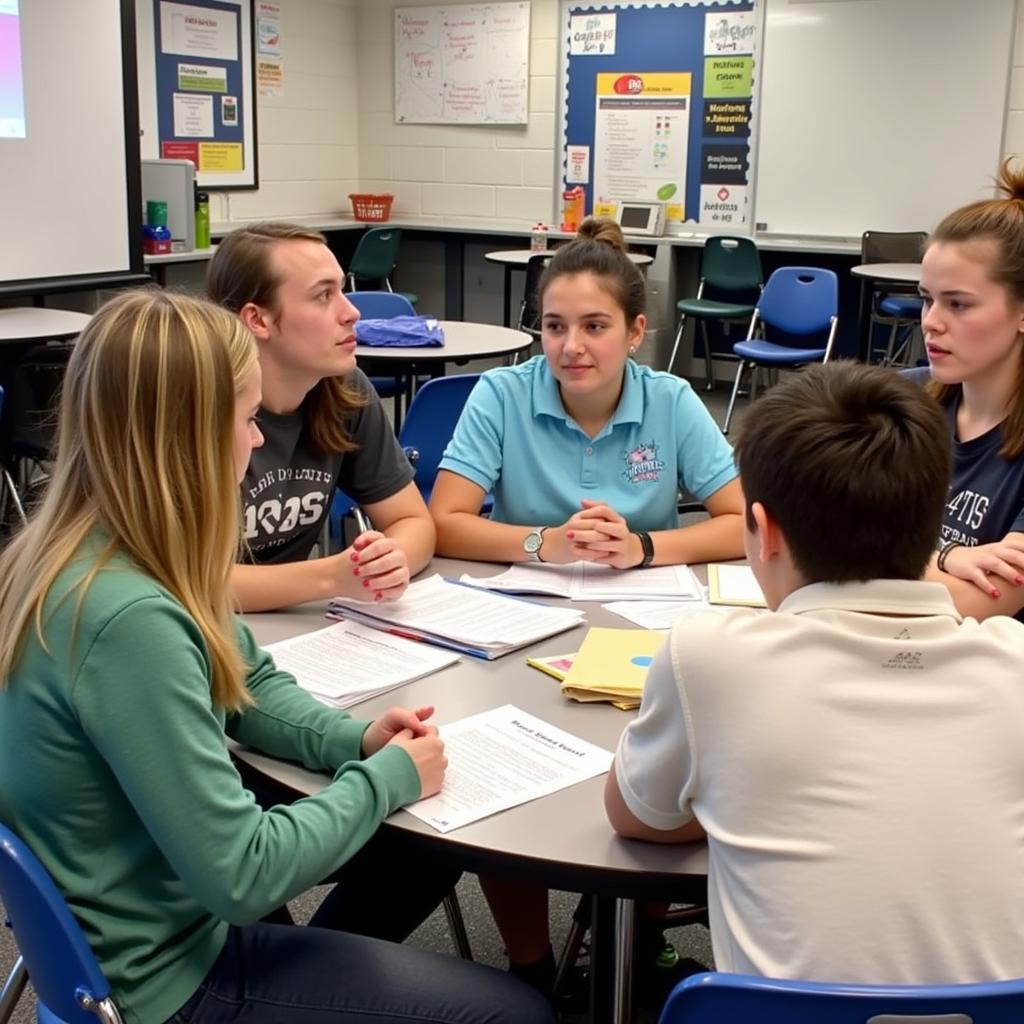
[
  {"x": 1000, "y": 221},
  {"x": 145, "y": 458}
]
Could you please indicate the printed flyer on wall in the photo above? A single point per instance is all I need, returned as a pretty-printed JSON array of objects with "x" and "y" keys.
[{"x": 641, "y": 128}]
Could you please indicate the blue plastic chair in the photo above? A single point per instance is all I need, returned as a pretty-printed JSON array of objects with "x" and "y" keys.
[
  {"x": 430, "y": 424},
  {"x": 383, "y": 306},
  {"x": 802, "y": 302},
  {"x": 905, "y": 313},
  {"x": 720, "y": 998},
  {"x": 68, "y": 981}
]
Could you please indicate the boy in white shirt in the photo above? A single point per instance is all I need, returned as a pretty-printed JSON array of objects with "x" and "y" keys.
[{"x": 855, "y": 757}]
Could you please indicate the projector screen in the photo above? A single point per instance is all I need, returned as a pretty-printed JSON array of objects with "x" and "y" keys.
[{"x": 70, "y": 205}]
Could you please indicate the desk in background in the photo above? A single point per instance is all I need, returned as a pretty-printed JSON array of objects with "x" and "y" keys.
[
  {"x": 562, "y": 840},
  {"x": 897, "y": 273}
]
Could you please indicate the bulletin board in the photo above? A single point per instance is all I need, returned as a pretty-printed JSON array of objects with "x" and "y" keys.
[
  {"x": 657, "y": 107},
  {"x": 463, "y": 64},
  {"x": 204, "y": 89}
]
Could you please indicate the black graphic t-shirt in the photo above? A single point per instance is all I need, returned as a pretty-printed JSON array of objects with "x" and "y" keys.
[{"x": 288, "y": 487}]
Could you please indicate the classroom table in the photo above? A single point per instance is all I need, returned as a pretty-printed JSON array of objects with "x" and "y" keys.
[
  {"x": 21, "y": 324},
  {"x": 517, "y": 259},
  {"x": 562, "y": 840},
  {"x": 897, "y": 273},
  {"x": 462, "y": 341}
]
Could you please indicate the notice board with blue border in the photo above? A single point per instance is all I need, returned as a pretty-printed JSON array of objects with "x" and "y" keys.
[
  {"x": 204, "y": 88},
  {"x": 657, "y": 107}
]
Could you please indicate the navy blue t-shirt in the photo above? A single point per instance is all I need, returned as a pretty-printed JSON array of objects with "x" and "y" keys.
[{"x": 986, "y": 495}]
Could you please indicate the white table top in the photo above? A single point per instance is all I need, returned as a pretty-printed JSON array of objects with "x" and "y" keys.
[
  {"x": 559, "y": 835},
  {"x": 520, "y": 257},
  {"x": 906, "y": 272},
  {"x": 34, "y": 323},
  {"x": 189, "y": 256},
  {"x": 462, "y": 340}
]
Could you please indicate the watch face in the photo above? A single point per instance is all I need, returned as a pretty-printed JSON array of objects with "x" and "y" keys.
[{"x": 532, "y": 543}]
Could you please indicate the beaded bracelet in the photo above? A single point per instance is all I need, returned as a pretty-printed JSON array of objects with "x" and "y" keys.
[{"x": 940, "y": 562}]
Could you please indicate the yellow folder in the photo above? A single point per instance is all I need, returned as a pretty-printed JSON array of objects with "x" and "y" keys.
[{"x": 612, "y": 665}]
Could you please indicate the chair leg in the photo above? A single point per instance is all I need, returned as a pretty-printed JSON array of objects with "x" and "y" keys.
[
  {"x": 8, "y": 485},
  {"x": 890, "y": 348},
  {"x": 12, "y": 990},
  {"x": 456, "y": 925},
  {"x": 675, "y": 346},
  {"x": 732, "y": 397},
  {"x": 709, "y": 369},
  {"x": 573, "y": 942}
]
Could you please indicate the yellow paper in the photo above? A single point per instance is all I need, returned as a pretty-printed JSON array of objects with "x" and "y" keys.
[
  {"x": 734, "y": 585},
  {"x": 220, "y": 156},
  {"x": 612, "y": 666}
]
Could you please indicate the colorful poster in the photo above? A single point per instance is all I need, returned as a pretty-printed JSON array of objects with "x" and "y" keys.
[
  {"x": 577, "y": 164},
  {"x": 198, "y": 31},
  {"x": 728, "y": 76},
  {"x": 270, "y": 77},
  {"x": 202, "y": 78},
  {"x": 641, "y": 131}
]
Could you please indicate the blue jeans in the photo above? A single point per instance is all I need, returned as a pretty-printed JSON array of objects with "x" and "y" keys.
[{"x": 280, "y": 974}]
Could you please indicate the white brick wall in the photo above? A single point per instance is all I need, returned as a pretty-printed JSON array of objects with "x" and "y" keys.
[
  {"x": 504, "y": 172},
  {"x": 308, "y": 138},
  {"x": 333, "y": 130}
]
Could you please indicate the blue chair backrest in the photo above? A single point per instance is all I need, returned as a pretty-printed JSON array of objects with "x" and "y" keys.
[
  {"x": 800, "y": 300},
  {"x": 381, "y": 305},
  {"x": 718, "y": 998},
  {"x": 430, "y": 422},
  {"x": 57, "y": 957}
]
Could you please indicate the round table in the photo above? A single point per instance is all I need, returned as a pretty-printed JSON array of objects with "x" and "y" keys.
[
  {"x": 517, "y": 259},
  {"x": 462, "y": 341},
  {"x": 874, "y": 274},
  {"x": 562, "y": 840},
  {"x": 22, "y": 324}
]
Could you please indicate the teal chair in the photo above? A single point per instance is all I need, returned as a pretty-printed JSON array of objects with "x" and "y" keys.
[
  {"x": 731, "y": 267},
  {"x": 719, "y": 998},
  {"x": 375, "y": 259}
]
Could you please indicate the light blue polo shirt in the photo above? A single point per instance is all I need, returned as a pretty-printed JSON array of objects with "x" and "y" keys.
[{"x": 515, "y": 439}]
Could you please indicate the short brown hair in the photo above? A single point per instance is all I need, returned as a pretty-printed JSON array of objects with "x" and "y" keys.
[
  {"x": 999, "y": 222},
  {"x": 853, "y": 462},
  {"x": 241, "y": 272},
  {"x": 599, "y": 248}
]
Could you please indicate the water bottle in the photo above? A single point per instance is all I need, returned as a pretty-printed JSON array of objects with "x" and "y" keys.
[
  {"x": 202, "y": 220},
  {"x": 539, "y": 237}
]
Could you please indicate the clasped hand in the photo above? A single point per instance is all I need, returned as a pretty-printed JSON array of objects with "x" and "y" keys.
[
  {"x": 374, "y": 568},
  {"x": 597, "y": 533},
  {"x": 1004, "y": 558},
  {"x": 407, "y": 728}
]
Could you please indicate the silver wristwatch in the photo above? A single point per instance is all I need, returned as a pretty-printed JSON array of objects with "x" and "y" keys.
[{"x": 532, "y": 543}]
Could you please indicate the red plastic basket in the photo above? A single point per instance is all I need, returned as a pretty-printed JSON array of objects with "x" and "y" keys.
[{"x": 371, "y": 206}]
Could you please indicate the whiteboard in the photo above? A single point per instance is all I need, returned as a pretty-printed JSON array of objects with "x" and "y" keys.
[
  {"x": 879, "y": 114},
  {"x": 463, "y": 64}
]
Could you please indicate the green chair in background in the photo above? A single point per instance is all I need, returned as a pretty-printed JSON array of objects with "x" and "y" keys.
[
  {"x": 375, "y": 259},
  {"x": 730, "y": 266}
]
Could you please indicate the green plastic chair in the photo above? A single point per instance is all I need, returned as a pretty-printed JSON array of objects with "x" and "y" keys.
[
  {"x": 728, "y": 264},
  {"x": 375, "y": 258}
]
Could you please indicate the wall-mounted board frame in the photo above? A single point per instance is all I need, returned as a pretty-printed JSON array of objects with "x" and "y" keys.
[
  {"x": 658, "y": 104},
  {"x": 197, "y": 92}
]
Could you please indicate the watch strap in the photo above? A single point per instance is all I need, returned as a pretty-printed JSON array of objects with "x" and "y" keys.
[{"x": 648, "y": 548}]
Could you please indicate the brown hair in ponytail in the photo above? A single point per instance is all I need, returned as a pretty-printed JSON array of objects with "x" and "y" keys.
[
  {"x": 1000, "y": 222},
  {"x": 600, "y": 249}
]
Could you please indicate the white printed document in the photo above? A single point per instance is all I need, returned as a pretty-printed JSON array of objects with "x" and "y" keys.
[
  {"x": 587, "y": 581},
  {"x": 346, "y": 663},
  {"x": 734, "y": 585},
  {"x": 658, "y": 614},
  {"x": 502, "y": 758},
  {"x": 467, "y": 619}
]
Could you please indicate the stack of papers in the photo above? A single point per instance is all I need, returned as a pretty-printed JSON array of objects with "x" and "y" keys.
[
  {"x": 587, "y": 581},
  {"x": 734, "y": 585},
  {"x": 346, "y": 663},
  {"x": 612, "y": 665},
  {"x": 661, "y": 615},
  {"x": 502, "y": 758},
  {"x": 462, "y": 618}
]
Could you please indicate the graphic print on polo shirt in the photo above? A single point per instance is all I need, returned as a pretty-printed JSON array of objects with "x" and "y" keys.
[{"x": 643, "y": 464}]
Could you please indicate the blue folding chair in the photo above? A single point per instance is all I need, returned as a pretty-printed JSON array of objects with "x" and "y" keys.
[
  {"x": 430, "y": 424},
  {"x": 68, "y": 981},
  {"x": 904, "y": 311},
  {"x": 802, "y": 302},
  {"x": 383, "y": 306},
  {"x": 718, "y": 998}
]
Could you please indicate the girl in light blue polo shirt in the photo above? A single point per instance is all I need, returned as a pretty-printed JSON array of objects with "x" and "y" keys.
[{"x": 584, "y": 450}]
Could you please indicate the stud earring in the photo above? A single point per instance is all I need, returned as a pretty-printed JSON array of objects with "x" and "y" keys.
[{"x": 632, "y": 350}]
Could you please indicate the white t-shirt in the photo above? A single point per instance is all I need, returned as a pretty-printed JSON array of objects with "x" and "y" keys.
[{"x": 857, "y": 760}]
